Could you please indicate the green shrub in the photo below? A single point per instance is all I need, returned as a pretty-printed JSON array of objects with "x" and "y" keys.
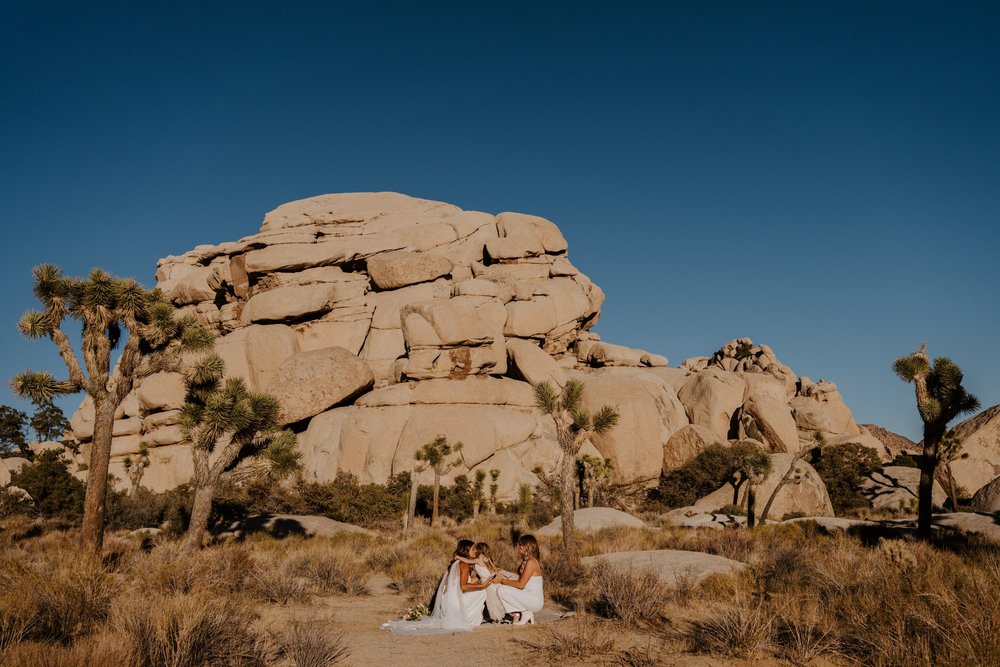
[
  {"x": 170, "y": 510},
  {"x": 842, "y": 468},
  {"x": 697, "y": 478},
  {"x": 55, "y": 492}
]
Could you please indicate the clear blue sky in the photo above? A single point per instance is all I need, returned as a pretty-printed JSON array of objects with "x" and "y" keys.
[{"x": 823, "y": 177}]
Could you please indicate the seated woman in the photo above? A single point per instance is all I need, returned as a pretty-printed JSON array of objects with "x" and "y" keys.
[
  {"x": 458, "y": 603},
  {"x": 523, "y": 596}
]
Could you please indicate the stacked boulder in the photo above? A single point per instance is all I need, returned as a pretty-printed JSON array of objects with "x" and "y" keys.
[{"x": 381, "y": 320}]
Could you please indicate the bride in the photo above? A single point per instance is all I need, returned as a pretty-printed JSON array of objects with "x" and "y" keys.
[{"x": 458, "y": 604}]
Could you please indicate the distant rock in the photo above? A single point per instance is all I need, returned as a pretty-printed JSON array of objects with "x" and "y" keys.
[
  {"x": 895, "y": 443},
  {"x": 987, "y": 498},
  {"x": 285, "y": 525},
  {"x": 672, "y": 566},
  {"x": 590, "y": 519},
  {"x": 979, "y": 462}
]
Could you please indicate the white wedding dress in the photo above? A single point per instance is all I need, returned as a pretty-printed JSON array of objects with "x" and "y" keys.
[{"x": 454, "y": 611}]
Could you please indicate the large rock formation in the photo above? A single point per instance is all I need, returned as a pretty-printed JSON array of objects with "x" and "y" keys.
[
  {"x": 381, "y": 321},
  {"x": 979, "y": 461}
]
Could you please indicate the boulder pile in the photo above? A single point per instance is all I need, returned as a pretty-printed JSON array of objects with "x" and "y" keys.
[{"x": 381, "y": 320}]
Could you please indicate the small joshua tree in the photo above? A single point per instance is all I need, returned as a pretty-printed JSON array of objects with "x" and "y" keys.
[
  {"x": 435, "y": 454},
  {"x": 574, "y": 426},
  {"x": 477, "y": 491},
  {"x": 134, "y": 468},
  {"x": 593, "y": 473},
  {"x": 494, "y": 487},
  {"x": 951, "y": 449},
  {"x": 234, "y": 434},
  {"x": 749, "y": 465},
  {"x": 411, "y": 510},
  {"x": 940, "y": 398},
  {"x": 112, "y": 310}
]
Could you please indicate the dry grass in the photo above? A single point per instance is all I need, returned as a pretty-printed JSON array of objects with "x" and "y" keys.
[
  {"x": 329, "y": 567},
  {"x": 312, "y": 643},
  {"x": 98, "y": 650},
  {"x": 634, "y": 597},
  {"x": 579, "y": 639},
  {"x": 740, "y": 630},
  {"x": 189, "y": 631}
]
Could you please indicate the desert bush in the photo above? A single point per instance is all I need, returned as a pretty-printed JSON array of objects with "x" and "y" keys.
[
  {"x": 698, "y": 477},
  {"x": 53, "y": 596},
  {"x": 329, "y": 568},
  {"x": 581, "y": 639},
  {"x": 54, "y": 491},
  {"x": 312, "y": 643},
  {"x": 14, "y": 503},
  {"x": 195, "y": 630},
  {"x": 634, "y": 597},
  {"x": 276, "y": 585},
  {"x": 415, "y": 577},
  {"x": 842, "y": 469},
  {"x": 97, "y": 650},
  {"x": 738, "y": 630}
]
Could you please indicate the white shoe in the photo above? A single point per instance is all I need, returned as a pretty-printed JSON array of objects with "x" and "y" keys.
[{"x": 527, "y": 618}]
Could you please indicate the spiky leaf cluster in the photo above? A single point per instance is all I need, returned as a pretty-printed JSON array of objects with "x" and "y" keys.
[
  {"x": 436, "y": 452},
  {"x": 569, "y": 403},
  {"x": 945, "y": 398}
]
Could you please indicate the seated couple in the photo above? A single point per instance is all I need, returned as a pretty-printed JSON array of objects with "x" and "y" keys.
[{"x": 473, "y": 583}]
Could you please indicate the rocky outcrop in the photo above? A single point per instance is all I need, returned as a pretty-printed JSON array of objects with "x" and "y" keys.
[
  {"x": 802, "y": 493},
  {"x": 673, "y": 567},
  {"x": 987, "y": 498},
  {"x": 381, "y": 321},
  {"x": 895, "y": 488},
  {"x": 894, "y": 443},
  {"x": 979, "y": 462},
  {"x": 591, "y": 519}
]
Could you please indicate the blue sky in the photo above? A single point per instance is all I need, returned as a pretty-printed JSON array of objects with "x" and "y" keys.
[{"x": 822, "y": 177}]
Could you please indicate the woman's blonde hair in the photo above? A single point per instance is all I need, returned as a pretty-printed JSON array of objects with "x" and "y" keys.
[
  {"x": 483, "y": 549},
  {"x": 530, "y": 545}
]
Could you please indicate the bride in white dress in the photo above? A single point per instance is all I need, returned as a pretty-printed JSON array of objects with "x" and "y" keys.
[
  {"x": 458, "y": 604},
  {"x": 524, "y": 596}
]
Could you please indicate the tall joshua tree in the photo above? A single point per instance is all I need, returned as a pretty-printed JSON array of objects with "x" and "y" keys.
[
  {"x": 110, "y": 309},
  {"x": 940, "y": 398},
  {"x": 435, "y": 455},
  {"x": 574, "y": 426},
  {"x": 228, "y": 425}
]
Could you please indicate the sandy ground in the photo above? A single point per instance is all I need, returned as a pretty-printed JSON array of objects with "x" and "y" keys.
[{"x": 359, "y": 618}]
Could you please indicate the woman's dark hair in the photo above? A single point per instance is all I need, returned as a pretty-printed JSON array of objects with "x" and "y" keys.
[
  {"x": 530, "y": 545},
  {"x": 463, "y": 548}
]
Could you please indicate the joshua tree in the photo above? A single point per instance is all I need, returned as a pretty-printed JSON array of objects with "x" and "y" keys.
[
  {"x": 111, "y": 310},
  {"x": 411, "y": 511},
  {"x": 134, "y": 468},
  {"x": 940, "y": 398},
  {"x": 49, "y": 422},
  {"x": 574, "y": 426},
  {"x": 494, "y": 487},
  {"x": 748, "y": 465},
  {"x": 230, "y": 425},
  {"x": 477, "y": 490},
  {"x": 13, "y": 423},
  {"x": 435, "y": 454},
  {"x": 951, "y": 449},
  {"x": 592, "y": 472}
]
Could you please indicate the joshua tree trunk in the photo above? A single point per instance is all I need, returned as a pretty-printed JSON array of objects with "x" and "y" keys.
[
  {"x": 566, "y": 506},
  {"x": 92, "y": 533},
  {"x": 201, "y": 511},
  {"x": 437, "y": 493},
  {"x": 952, "y": 491},
  {"x": 751, "y": 504},
  {"x": 925, "y": 493},
  {"x": 411, "y": 511},
  {"x": 475, "y": 508}
]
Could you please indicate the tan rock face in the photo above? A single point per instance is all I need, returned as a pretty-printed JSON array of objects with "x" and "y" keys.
[
  {"x": 381, "y": 320},
  {"x": 310, "y": 382},
  {"x": 980, "y": 462},
  {"x": 399, "y": 269},
  {"x": 895, "y": 487}
]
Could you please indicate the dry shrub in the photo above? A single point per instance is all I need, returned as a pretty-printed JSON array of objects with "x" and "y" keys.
[
  {"x": 118, "y": 551},
  {"x": 55, "y": 597},
  {"x": 740, "y": 630},
  {"x": 569, "y": 585},
  {"x": 415, "y": 577},
  {"x": 277, "y": 586},
  {"x": 582, "y": 638},
  {"x": 189, "y": 631},
  {"x": 802, "y": 633},
  {"x": 329, "y": 568},
  {"x": 312, "y": 643},
  {"x": 98, "y": 651},
  {"x": 171, "y": 569},
  {"x": 633, "y": 596},
  {"x": 617, "y": 539}
]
